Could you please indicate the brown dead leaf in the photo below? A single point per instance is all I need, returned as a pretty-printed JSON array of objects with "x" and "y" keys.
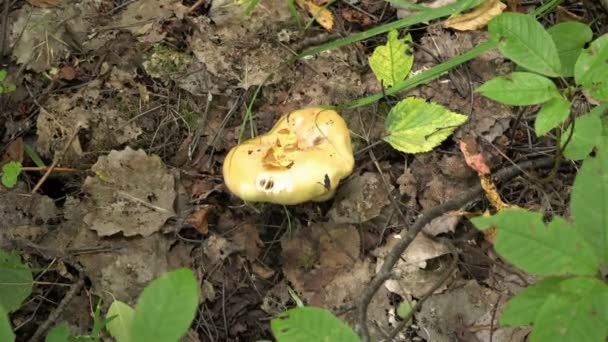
[
  {"x": 13, "y": 152},
  {"x": 477, "y": 18},
  {"x": 262, "y": 270},
  {"x": 246, "y": 238},
  {"x": 67, "y": 73},
  {"x": 473, "y": 157},
  {"x": 45, "y": 3},
  {"x": 353, "y": 16},
  {"x": 322, "y": 15},
  {"x": 198, "y": 219},
  {"x": 361, "y": 199}
]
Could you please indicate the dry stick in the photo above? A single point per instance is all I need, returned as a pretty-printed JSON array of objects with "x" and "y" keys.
[
  {"x": 45, "y": 168},
  {"x": 407, "y": 236},
  {"x": 72, "y": 292},
  {"x": 426, "y": 295},
  {"x": 56, "y": 161}
]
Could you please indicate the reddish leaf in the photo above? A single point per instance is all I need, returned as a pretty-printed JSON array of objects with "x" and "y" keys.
[{"x": 473, "y": 157}]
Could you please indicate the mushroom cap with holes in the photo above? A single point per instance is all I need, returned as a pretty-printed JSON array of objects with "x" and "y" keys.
[{"x": 302, "y": 158}]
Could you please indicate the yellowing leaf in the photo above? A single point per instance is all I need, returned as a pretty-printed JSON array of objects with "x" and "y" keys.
[
  {"x": 477, "y": 18},
  {"x": 415, "y": 126},
  {"x": 391, "y": 63},
  {"x": 322, "y": 15}
]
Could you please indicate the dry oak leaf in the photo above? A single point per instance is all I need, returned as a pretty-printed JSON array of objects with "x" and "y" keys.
[
  {"x": 477, "y": 18},
  {"x": 322, "y": 15}
]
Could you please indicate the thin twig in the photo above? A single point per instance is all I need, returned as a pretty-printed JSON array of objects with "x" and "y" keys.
[
  {"x": 72, "y": 292},
  {"x": 408, "y": 235},
  {"x": 57, "y": 159},
  {"x": 45, "y": 168}
]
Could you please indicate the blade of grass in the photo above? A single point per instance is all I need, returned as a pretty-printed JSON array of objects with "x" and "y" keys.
[
  {"x": 33, "y": 155},
  {"x": 423, "y": 16}
]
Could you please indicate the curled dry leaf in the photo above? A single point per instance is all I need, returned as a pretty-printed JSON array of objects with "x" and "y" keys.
[
  {"x": 322, "y": 15},
  {"x": 198, "y": 219},
  {"x": 473, "y": 157},
  {"x": 477, "y": 18}
]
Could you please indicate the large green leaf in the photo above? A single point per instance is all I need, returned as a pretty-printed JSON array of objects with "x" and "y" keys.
[
  {"x": 414, "y": 126},
  {"x": 554, "y": 249},
  {"x": 15, "y": 281},
  {"x": 589, "y": 201},
  {"x": 304, "y": 324},
  {"x": 551, "y": 114},
  {"x": 571, "y": 309},
  {"x": 391, "y": 63},
  {"x": 591, "y": 68},
  {"x": 519, "y": 89},
  {"x": 6, "y": 331},
  {"x": 587, "y": 130},
  {"x": 523, "y": 39},
  {"x": 569, "y": 37},
  {"x": 166, "y": 307},
  {"x": 121, "y": 315}
]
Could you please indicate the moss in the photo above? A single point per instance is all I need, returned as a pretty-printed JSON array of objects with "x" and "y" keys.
[{"x": 166, "y": 60}]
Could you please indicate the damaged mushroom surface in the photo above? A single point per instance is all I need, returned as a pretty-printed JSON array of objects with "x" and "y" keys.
[{"x": 302, "y": 158}]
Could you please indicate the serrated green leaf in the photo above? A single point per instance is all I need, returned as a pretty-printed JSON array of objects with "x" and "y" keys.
[
  {"x": 519, "y": 89},
  {"x": 551, "y": 114},
  {"x": 591, "y": 69},
  {"x": 523, "y": 39},
  {"x": 6, "y": 331},
  {"x": 391, "y": 63},
  {"x": 570, "y": 309},
  {"x": 587, "y": 130},
  {"x": 554, "y": 249},
  {"x": 304, "y": 324},
  {"x": 589, "y": 201},
  {"x": 120, "y": 325},
  {"x": 60, "y": 333},
  {"x": 10, "y": 173},
  {"x": 414, "y": 126},
  {"x": 166, "y": 307},
  {"x": 569, "y": 37},
  {"x": 15, "y": 281}
]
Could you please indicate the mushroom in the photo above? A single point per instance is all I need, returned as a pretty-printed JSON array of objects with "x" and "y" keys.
[{"x": 302, "y": 158}]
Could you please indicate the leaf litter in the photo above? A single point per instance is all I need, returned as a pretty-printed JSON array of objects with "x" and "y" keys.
[{"x": 138, "y": 81}]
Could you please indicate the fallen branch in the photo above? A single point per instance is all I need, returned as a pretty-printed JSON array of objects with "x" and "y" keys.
[{"x": 408, "y": 235}]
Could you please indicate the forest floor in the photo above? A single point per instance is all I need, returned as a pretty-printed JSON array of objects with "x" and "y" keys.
[{"x": 152, "y": 94}]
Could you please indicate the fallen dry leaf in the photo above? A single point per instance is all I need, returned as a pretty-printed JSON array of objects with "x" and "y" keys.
[
  {"x": 132, "y": 193},
  {"x": 45, "y": 3},
  {"x": 322, "y": 15},
  {"x": 13, "y": 152},
  {"x": 67, "y": 73},
  {"x": 262, "y": 270},
  {"x": 477, "y": 18},
  {"x": 361, "y": 199},
  {"x": 353, "y": 16},
  {"x": 198, "y": 219},
  {"x": 473, "y": 157},
  {"x": 246, "y": 239}
]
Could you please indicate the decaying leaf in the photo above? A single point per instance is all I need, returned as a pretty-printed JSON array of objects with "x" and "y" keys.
[
  {"x": 198, "y": 219},
  {"x": 132, "y": 193},
  {"x": 322, "y": 15},
  {"x": 473, "y": 157},
  {"x": 45, "y": 3},
  {"x": 477, "y": 18},
  {"x": 361, "y": 199},
  {"x": 246, "y": 239}
]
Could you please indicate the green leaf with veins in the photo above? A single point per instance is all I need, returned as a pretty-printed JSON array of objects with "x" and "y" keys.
[
  {"x": 6, "y": 331},
  {"x": 15, "y": 281},
  {"x": 519, "y": 89},
  {"x": 587, "y": 130},
  {"x": 391, "y": 63},
  {"x": 306, "y": 323},
  {"x": 551, "y": 114},
  {"x": 535, "y": 247},
  {"x": 591, "y": 68},
  {"x": 570, "y": 38},
  {"x": 414, "y": 126},
  {"x": 524, "y": 40},
  {"x": 121, "y": 316}
]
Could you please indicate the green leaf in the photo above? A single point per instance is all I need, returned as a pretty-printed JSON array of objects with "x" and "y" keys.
[
  {"x": 590, "y": 69},
  {"x": 391, "y": 63},
  {"x": 519, "y": 89},
  {"x": 554, "y": 249},
  {"x": 15, "y": 281},
  {"x": 120, "y": 326},
  {"x": 569, "y": 37},
  {"x": 572, "y": 309},
  {"x": 3, "y": 74},
  {"x": 587, "y": 130},
  {"x": 414, "y": 126},
  {"x": 60, "y": 333},
  {"x": 6, "y": 331},
  {"x": 523, "y": 39},
  {"x": 551, "y": 114},
  {"x": 166, "y": 307},
  {"x": 405, "y": 308},
  {"x": 304, "y": 324},
  {"x": 10, "y": 173},
  {"x": 589, "y": 202},
  {"x": 33, "y": 155}
]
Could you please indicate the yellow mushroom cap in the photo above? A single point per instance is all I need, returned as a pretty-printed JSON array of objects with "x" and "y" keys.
[{"x": 302, "y": 158}]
